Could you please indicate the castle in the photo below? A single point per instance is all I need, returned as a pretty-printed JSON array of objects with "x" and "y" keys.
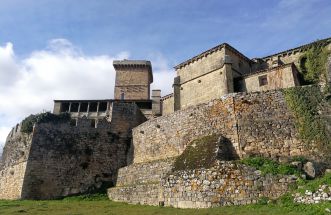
[{"x": 129, "y": 144}]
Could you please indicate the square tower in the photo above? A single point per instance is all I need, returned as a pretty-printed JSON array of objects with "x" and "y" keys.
[{"x": 133, "y": 79}]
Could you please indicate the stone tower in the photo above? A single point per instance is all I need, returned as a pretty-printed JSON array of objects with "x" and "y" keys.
[{"x": 133, "y": 79}]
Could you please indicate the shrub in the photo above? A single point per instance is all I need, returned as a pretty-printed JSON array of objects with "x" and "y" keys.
[
  {"x": 28, "y": 123},
  {"x": 314, "y": 66},
  {"x": 305, "y": 103}
]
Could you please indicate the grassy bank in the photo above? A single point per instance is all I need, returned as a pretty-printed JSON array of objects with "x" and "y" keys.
[{"x": 80, "y": 206}]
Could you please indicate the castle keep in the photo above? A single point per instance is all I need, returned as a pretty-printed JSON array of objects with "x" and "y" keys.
[
  {"x": 223, "y": 69},
  {"x": 135, "y": 144}
]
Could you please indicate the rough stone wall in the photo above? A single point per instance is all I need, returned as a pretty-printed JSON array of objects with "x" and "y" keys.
[
  {"x": 226, "y": 183},
  {"x": 254, "y": 123},
  {"x": 143, "y": 173},
  {"x": 167, "y": 136},
  {"x": 278, "y": 78},
  {"x": 66, "y": 160},
  {"x": 140, "y": 183},
  {"x": 13, "y": 164}
]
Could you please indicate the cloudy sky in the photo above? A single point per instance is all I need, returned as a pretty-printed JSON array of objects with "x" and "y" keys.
[{"x": 63, "y": 49}]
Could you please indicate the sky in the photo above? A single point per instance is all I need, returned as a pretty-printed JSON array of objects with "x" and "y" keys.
[{"x": 63, "y": 49}]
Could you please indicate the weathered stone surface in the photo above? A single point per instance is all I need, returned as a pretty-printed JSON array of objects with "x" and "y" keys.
[
  {"x": 139, "y": 183},
  {"x": 226, "y": 183},
  {"x": 255, "y": 123},
  {"x": 309, "y": 169},
  {"x": 323, "y": 193},
  {"x": 61, "y": 159}
]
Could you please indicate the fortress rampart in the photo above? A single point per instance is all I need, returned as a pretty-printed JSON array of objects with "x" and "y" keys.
[
  {"x": 61, "y": 159},
  {"x": 255, "y": 123}
]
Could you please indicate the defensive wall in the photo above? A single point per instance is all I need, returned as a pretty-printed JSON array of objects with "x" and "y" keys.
[
  {"x": 60, "y": 159},
  {"x": 259, "y": 123}
]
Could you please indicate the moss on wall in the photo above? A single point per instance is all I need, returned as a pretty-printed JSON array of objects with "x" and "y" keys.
[
  {"x": 200, "y": 153},
  {"x": 28, "y": 122},
  {"x": 307, "y": 104},
  {"x": 313, "y": 64}
]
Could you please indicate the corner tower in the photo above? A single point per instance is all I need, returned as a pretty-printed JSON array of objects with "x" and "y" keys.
[{"x": 133, "y": 79}]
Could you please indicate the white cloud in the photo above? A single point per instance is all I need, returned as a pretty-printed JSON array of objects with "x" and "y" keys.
[{"x": 60, "y": 71}]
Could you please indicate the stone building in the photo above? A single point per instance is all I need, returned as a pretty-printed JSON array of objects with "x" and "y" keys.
[
  {"x": 112, "y": 142},
  {"x": 132, "y": 85},
  {"x": 223, "y": 69}
]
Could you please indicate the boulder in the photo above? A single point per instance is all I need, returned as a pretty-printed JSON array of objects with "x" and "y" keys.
[
  {"x": 297, "y": 164},
  {"x": 309, "y": 169}
]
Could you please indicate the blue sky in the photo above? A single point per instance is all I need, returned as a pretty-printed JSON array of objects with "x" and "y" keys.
[
  {"x": 177, "y": 29},
  {"x": 63, "y": 49}
]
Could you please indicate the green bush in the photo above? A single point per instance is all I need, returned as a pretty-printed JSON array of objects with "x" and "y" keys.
[
  {"x": 28, "y": 123},
  {"x": 314, "y": 67},
  {"x": 267, "y": 166},
  {"x": 305, "y": 103}
]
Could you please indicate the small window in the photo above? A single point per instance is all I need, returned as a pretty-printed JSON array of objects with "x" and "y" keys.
[
  {"x": 122, "y": 96},
  {"x": 93, "y": 122},
  {"x": 263, "y": 80}
]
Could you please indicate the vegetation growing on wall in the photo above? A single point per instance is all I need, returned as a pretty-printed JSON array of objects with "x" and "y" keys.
[
  {"x": 313, "y": 64},
  {"x": 306, "y": 102},
  {"x": 200, "y": 153},
  {"x": 267, "y": 166},
  {"x": 27, "y": 123}
]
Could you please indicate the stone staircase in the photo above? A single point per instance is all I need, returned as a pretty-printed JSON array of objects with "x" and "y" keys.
[{"x": 140, "y": 183}]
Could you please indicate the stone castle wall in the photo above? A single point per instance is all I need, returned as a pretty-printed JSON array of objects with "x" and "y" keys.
[
  {"x": 255, "y": 123},
  {"x": 13, "y": 164},
  {"x": 167, "y": 136},
  {"x": 66, "y": 160},
  {"x": 226, "y": 183},
  {"x": 139, "y": 183},
  {"x": 167, "y": 104}
]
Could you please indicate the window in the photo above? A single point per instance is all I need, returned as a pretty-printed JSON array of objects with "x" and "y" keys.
[
  {"x": 263, "y": 80},
  {"x": 93, "y": 107},
  {"x": 83, "y": 107},
  {"x": 102, "y": 106},
  {"x": 122, "y": 96},
  {"x": 65, "y": 107},
  {"x": 93, "y": 122},
  {"x": 74, "y": 107}
]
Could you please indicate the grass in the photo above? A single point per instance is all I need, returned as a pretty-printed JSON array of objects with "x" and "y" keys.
[
  {"x": 82, "y": 206},
  {"x": 267, "y": 166},
  {"x": 313, "y": 185}
]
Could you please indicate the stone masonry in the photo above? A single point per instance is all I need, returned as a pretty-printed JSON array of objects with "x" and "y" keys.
[
  {"x": 254, "y": 123},
  {"x": 60, "y": 159}
]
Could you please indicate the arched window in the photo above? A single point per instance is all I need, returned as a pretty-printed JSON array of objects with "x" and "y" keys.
[{"x": 122, "y": 95}]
